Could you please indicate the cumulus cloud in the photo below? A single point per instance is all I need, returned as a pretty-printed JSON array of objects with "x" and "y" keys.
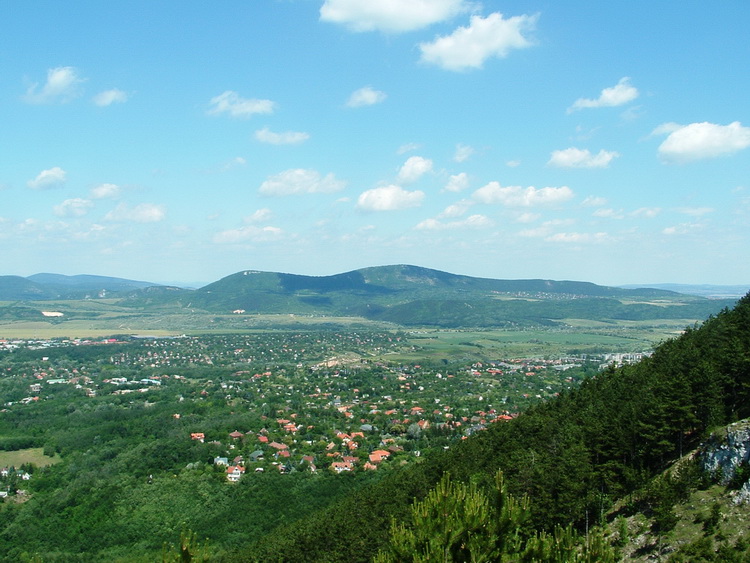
[
  {"x": 581, "y": 158},
  {"x": 594, "y": 201},
  {"x": 109, "y": 97},
  {"x": 366, "y": 96},
  {"x": 414, "y": 168},
  {"x": 48, "y": 179},
  {"x": 141, "y": 213},
  {"x": 300, "y": 181},
  {"x": 457, "y": 209},
  {"x": 390, "y": 16},
  {"x": 232, "y": 104},
  {"x": 457, "y": 182},
  {"x": 62, "y": 85},
  {"x": 105, "y": 191},
  {"x": 545, "y": 229},
  {"x": 259, "y": 216},
  {"x": 681, "y": 229},
  {"x": 265, "y": 135},
  {"x": 389, "y": 198},
  {"x": 248, "y": 233},
  {"x": 471, "y": 222},
  {"x": 233, "y": 163},
  {"x": 647, "y": 212},
  {"x": 695, "y": 211},
  {"x": 516, "y": 196},
  {"x": 469, "y": 47},
  {"x": 701, "y": 140},
  {"x": 622, "y": 93},
  {"x": 608, "y": 213},
  {"x": 408, "y": 147},
  {"x": 463, "y": 152},
  {"x": 76, "y": 207}
]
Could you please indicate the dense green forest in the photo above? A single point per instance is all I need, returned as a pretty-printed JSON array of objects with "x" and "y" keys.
[{"x": 573, "y": 457}]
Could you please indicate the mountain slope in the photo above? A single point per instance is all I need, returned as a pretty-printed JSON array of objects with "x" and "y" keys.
[
  {"x": 415, "y": 296},
  {"x": 17, "y": 288},
  {"x": 401, "y": 294},
  {"x": 85, "y": 282}
]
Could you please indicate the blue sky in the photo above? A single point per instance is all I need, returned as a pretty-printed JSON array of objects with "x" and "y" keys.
[{"x": 187, "y": 141}]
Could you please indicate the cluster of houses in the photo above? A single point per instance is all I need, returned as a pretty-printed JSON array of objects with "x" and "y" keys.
[
  {"x": 6, "y": 475},
  {"x": 333, "y": 457}
]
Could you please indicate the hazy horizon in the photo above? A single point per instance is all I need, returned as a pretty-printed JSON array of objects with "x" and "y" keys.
[{"x": 506, "y": 140}]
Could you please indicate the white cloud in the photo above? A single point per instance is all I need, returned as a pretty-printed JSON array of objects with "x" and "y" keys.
[
  {"x": 469, "y": 47},
  {"x": 300, "y": 181},
  {"x": 109, "y": 97},
  {"x": 472, "y": 222},
  {"x": 389, "y": 198},
  {"x": 408, "y": 147},
  {"x": 63, "y": 84},
  {"x": 647, "y": 212},
  {"x": 594, "y": 201},
  {"x": 681, "y": 229},
  {"x": 414, "y": 168},
  {"x": 463, "y": 152},
  {"x": 265, "y": 135},
  {"x": 545, "y": 229},
  {"x": 516, "y": 196},
  {"x": 666, "y": 128},
  {"x": 608, "y": 213},
  {"x": 366, "y": 96},
  {"x": 105, "y": 191},
  {"x": 231, "y": 103},
  {"x": 457, "y": 182},
  {"x": 259, "y": 216},
  {"x": 457, "y": 209},
  {"x": 76, "y": 207},
  {"x": 233, "y": 163},
  {"x": 622, "y": 93},
  {"x": 695, "y": 211},
  {"x": 392, "y": 16},
  {"x": 141, "y": 213},
  {"x": 248, "y": 233},
  {"x": 701, "y": 140},
  {"x": 513, "y": 163},
  {"x": 581, "y": 158},
  {"x": 48, "y": 179}
]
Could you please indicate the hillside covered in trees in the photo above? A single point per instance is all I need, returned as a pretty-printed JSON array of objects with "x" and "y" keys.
[{"x": 573, "y": 457}]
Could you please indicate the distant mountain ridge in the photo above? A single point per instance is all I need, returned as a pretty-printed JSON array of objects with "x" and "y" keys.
[
  {"x": 46, "y": 286},
  {"x": 415, "y": 296},
  {"x": 702, "y": 290},
  {"x": 402, "y": 294}
]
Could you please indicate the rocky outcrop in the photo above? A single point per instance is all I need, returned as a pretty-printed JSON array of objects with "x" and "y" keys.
[{"x": 725, "y": 453}]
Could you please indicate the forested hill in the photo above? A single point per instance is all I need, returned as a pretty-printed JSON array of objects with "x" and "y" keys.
[
  {"x": 574, "y": 456},
  {"x": 401, "y": 294},
  {"x": 414, "y": 296}
]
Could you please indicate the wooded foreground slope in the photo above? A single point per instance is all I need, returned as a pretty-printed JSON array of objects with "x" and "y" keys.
[{"x": 573, "y": 456}]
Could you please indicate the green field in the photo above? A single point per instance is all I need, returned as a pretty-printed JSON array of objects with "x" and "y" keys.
[
  {"x": 31, "y": 455},
  {"x": 102, "y": 318},
  {"x": 582, "y": 337}
]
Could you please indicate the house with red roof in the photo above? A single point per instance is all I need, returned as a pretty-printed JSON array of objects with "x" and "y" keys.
[{"x": 235, "y": 472}]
